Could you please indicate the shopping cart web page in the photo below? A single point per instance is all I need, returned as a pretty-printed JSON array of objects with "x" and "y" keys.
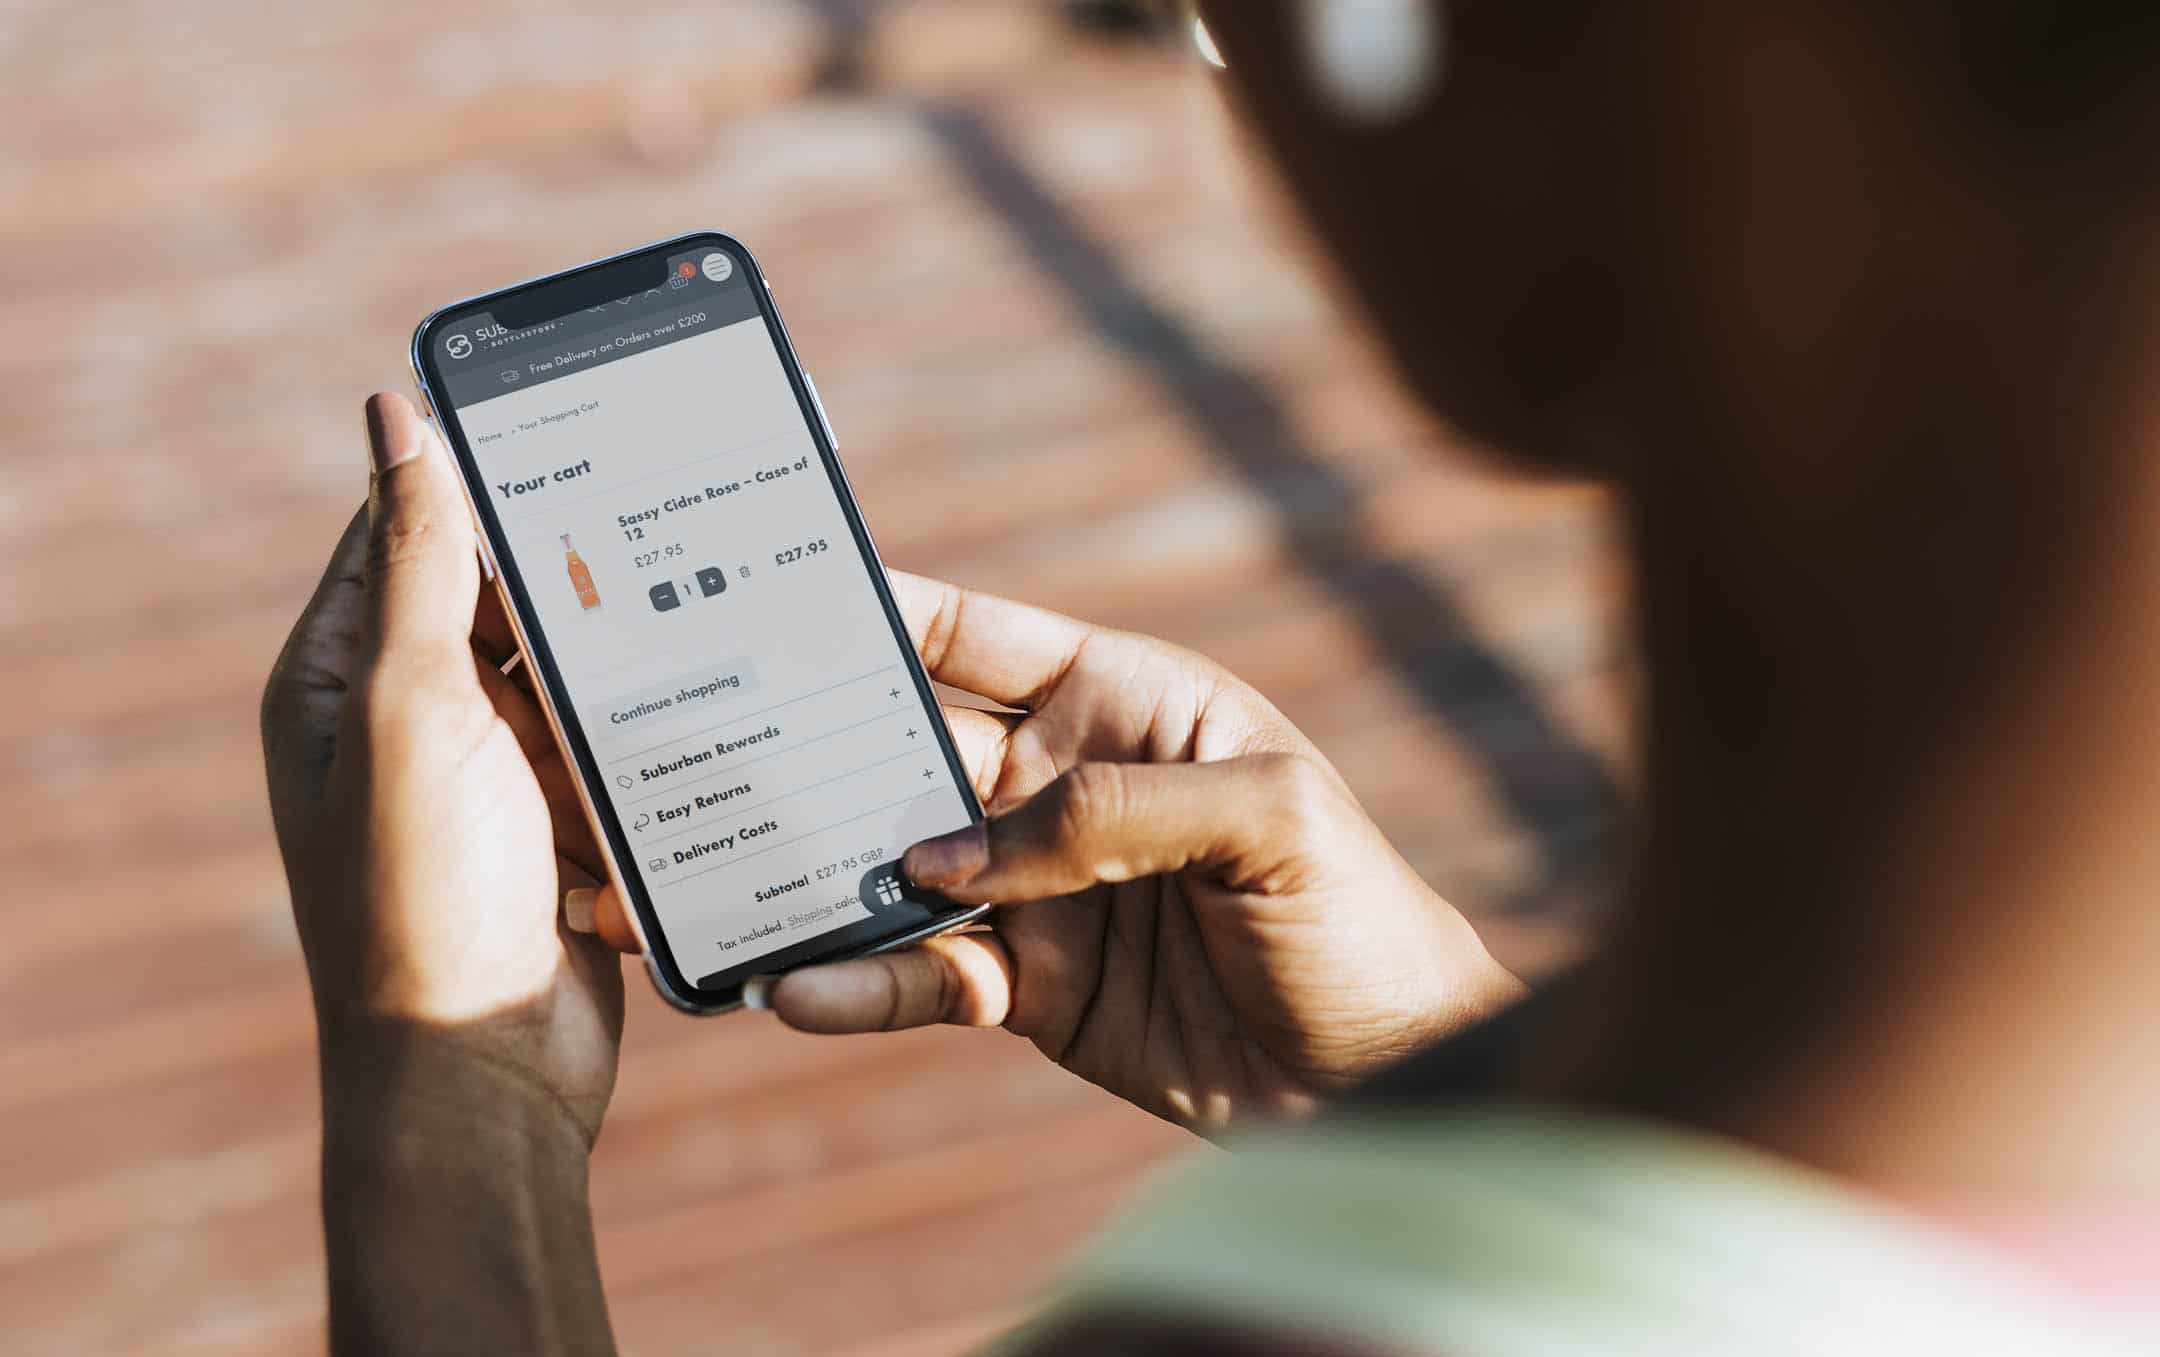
[{"x": 754, "y": 722}]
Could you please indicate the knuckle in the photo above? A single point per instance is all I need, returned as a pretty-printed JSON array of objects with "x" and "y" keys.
[
  {"x": 943, "y": 626},
  {"x": 1088, "y": 796},
  {"x": 275, "y": 714},
  {"x": 896, "y": 991},
  {"x": 395, "y": 538},
  {"x": 1299, "y": 791},
  {"x": 270, "y": 708},
  {"x": 303, "y": 688},
  {"x": 1296, "y": 804},
  {"x": 944, "y": 987}
]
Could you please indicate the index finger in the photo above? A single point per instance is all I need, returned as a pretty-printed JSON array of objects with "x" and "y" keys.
[{"x": 979, "y": 643}]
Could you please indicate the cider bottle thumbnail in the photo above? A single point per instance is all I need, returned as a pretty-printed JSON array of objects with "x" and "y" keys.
[{"x": 580, "y": 576}]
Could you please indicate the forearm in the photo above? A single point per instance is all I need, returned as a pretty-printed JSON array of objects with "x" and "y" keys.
[{"x": 454, "y": 1205}]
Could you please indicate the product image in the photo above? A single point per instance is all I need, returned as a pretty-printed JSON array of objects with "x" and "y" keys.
[{"x": 580, "y": 576}]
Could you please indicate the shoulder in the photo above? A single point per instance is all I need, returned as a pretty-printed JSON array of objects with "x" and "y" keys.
[{"x": 1509, "y": 1230}]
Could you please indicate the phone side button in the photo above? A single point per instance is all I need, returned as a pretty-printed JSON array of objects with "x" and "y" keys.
[
  {"x": 819, "y": 402},
  {"x": 487, "y": 562}
]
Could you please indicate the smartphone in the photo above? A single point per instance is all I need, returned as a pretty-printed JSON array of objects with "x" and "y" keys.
[{"x": 658, "y": 496}]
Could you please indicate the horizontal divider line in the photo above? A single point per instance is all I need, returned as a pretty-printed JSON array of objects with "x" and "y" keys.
[
  {"x": 738, "y": 720},
  {"x": 776, "y": 800},
  {"x": 770, "y": 754},
  {"x": 775, "y": 847}
]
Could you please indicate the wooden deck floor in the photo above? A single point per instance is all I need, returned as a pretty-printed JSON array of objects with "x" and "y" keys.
[{"x": 1072, "y": 357}]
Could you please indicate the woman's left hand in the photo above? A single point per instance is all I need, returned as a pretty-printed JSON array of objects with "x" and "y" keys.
[{"x": 428, "y": 825}]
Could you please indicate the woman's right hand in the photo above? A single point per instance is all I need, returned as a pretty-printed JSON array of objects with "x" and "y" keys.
[{"x": 1195, "y": 913}]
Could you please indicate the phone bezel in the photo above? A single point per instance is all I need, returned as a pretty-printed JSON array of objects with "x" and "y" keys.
[{"x": 932, "y": 914}]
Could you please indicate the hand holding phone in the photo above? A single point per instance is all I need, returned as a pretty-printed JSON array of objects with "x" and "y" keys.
[
  {"x": 1193, "y": 911},
  {"x": 427, "y": 826}
]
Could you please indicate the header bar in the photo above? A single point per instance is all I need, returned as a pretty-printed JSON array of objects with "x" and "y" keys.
[{"x": 478, "y": 360}]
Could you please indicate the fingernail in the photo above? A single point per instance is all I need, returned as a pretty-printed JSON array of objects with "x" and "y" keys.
[
  {"x": 949, "y": 859},
  {"x": 390, "y": 441},
  {"x": 577, "y": 908},
  {"x": 757, "y": 991}
]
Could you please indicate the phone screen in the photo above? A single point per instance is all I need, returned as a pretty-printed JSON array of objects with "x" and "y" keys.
[{"x": 708, "y": 614}]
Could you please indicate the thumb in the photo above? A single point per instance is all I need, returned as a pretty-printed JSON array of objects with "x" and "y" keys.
[
  {"x": 600, "y": 909},
  {"x": 422, "y": 577},
  {"x": 1247, "y": 821}
]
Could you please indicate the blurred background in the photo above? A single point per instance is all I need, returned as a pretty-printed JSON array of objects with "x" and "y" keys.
[{"x": 1076, "y": 354}]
